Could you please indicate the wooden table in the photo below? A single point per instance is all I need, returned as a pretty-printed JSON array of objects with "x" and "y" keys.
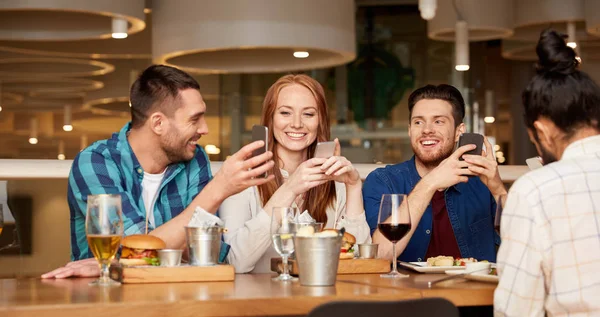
[{"x": 249, "y": 295}]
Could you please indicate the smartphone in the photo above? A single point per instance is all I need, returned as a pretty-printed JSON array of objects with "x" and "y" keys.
[
  {"x": 260, "y": 133},
  {"x": 534, "y": 162},
  {"x": 471, "y": 138},
  {"x": 325, "y": 149}
]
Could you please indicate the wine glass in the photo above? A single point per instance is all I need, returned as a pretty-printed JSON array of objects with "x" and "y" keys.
[
  {"x": 394, "y": 224},
  {"x": 282, "y": 233},
  {"x": 499, "y": 207},
  {"x": 1, "y": 219},
  {"x": 104, "y": 230}
]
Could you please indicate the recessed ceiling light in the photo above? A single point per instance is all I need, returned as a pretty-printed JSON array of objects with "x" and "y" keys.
[{"x": 301, "y": 54}]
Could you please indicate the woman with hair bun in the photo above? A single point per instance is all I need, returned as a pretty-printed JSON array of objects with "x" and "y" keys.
[{"x": 549, "y": 259}]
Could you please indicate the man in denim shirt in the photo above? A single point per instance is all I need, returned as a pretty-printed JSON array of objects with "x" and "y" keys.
[{"x": 452, "y": 202}]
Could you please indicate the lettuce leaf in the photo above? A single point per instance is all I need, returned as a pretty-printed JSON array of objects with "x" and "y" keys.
[{"x": 152, "y": 261}]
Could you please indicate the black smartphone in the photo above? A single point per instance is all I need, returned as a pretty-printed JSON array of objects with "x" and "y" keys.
[
  {"x": 471, "y": 138},
  {"x": 260, "y": 133}
]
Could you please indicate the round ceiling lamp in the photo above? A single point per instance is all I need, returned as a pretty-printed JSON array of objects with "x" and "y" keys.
[
  {"x": 135, "y": 46},
  {"x": 486, "y": 19},
  {"x": 591, "y": 16},
  {"x": 43, "y": 104},
  {"x": 534, "y": 16},
  {"x": 52, "y": 20},
  {"x": 113, "y": 98},
  {"x": 525, "y": 51},
  {"x": 239, "y": 36},
  {"x": 50, "y": 86},
  {"x": 52, "y": 66}
]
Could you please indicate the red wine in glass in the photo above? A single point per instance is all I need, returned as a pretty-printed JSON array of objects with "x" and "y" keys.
[
  {"x": 392, "y": 232},
  {"x": 394, "y": 224}
]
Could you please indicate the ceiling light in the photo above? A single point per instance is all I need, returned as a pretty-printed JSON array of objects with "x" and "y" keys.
[
  {"x": 212, "y": 149},
  {"x": 67, "y": 119},
  {"x": 490, "y": 107},
  {"x": 119, "y": 28},
  {"x": 301, "y": 54},
  {"x": 83, "y": 142},
  {"x": 499, "y": 154},
  {"x": 496, "y": 147},
  {"x": 501, "y": 160},
  {"x": 571, "y": 30},
  {"x": 33, "y": 131},
  {"x": 61, "y": 150},
  {"x": 427, "y": 8},
  {"x": 461, "y": 46}
]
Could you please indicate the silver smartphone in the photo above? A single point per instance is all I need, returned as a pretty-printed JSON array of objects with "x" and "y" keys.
[
  {"x": 534, "y": 162},
  {"x": 325, "y": 149},
  {"x": 260, "y": 133}
]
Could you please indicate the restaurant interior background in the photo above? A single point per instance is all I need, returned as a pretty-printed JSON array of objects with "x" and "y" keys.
[{"x": 66, "y": 67}]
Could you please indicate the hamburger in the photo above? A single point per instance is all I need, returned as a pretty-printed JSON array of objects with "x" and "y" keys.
[
  {"x": 348, "y": 241},
  {"x": 140, "y": 249}
]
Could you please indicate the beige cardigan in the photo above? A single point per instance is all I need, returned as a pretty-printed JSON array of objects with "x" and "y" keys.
[{"x": 249, "y": 228}]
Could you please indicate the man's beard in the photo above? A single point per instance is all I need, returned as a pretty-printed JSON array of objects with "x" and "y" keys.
[
  {"x": 434, "y": 160},
  {"x": 175, "y": 149},
  {"x": 547, "y": 157}
]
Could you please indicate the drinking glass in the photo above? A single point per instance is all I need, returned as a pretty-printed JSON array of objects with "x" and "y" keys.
[
  {"x": 282, "y": 233},
  {"x": 104, "y": 229},
  {"x": 1, "y": 219},
  {"x": 499, "y": 207},
  {"x": 394, "y": 224}
]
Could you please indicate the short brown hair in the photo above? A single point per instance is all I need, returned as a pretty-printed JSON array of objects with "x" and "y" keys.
[
  {"x": 153, "y": 87},
  {"x": 442, "y": 92}
]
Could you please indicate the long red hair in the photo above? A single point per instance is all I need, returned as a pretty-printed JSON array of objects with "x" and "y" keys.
[{"x": 319, "y": 198}]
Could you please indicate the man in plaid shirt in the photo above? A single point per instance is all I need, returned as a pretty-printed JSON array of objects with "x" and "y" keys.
[
  {"x": 157, "y": 167},
  {"x": 549, "y": 259}
]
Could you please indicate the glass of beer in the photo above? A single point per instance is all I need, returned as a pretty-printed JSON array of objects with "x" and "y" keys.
[{"x": 104, "y": 229}]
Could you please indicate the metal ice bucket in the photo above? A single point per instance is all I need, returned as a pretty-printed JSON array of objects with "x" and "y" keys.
[
  {"x": 204, "y": 244},
  {"x": 318, "y": 259}
]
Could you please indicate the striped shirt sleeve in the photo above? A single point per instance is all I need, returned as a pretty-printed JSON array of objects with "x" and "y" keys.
[{"x": 95, "y": 173}]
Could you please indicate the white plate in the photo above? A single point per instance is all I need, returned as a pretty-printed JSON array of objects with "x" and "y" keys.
[
  {"x": 475, "y": 277},
  {"x": 423, "y": 268}
]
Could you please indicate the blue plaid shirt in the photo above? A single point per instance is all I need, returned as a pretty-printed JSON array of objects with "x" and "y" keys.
[{"x": 110, "y": 167}]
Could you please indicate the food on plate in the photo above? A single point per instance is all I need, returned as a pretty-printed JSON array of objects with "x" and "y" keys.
[
  {"x": 464, "y": 261},
  {"x": 440, "y": 261},
  {"x": 493, "y": 271},
  {"x": 443, "y": 260},
  {"x": 140, "y": 249}
]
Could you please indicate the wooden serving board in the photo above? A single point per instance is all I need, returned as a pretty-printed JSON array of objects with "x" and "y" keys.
[
  {"x": 184, "y": 273},
  {"x": 353, "y": 266}
]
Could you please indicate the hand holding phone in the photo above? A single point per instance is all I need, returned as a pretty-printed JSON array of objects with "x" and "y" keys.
[
  {"x": 260, "y": 133},
  {"x": 471, "y": 138},
  {"x": 325, "y": 149}
]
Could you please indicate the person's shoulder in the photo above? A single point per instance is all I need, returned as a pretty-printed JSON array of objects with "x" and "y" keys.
[
  {"x": 389, "y": 171},
  {"x": 97, "y": 150},
  {"x": 551, "y": 175}
]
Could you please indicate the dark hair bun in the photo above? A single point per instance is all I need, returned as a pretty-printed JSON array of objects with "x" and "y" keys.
[{"x": 554, "y": 54}]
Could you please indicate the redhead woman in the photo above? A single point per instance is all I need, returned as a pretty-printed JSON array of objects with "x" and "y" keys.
[{"x": 295, "y": 111}]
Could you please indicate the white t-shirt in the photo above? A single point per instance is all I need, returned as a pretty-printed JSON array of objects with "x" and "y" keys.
[{"x": 150, "y": 185}]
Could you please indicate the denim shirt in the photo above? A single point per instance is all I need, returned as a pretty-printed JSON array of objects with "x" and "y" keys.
[{"x": 471, "y": 209}]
